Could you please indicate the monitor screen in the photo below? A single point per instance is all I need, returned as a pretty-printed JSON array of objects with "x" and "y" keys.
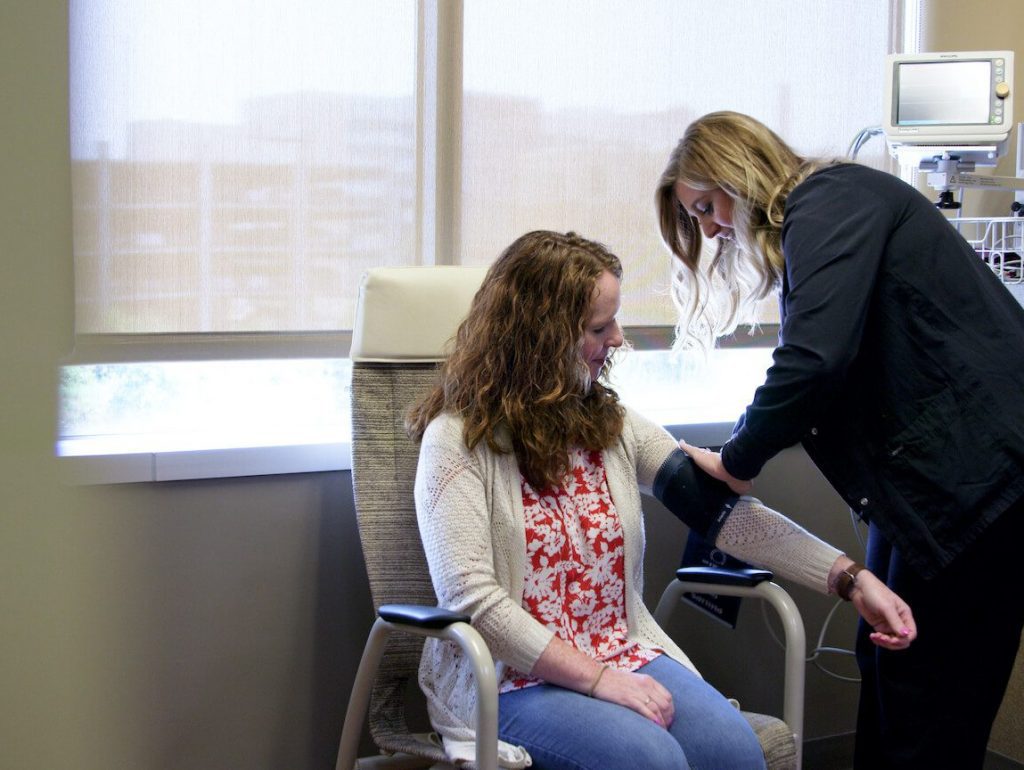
[
  {"x": 949, "y": 101},
  {"x": 944, "y": 93}
]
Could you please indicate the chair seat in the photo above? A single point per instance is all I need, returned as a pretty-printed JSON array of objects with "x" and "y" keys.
[{"x": 776, "y": 740}]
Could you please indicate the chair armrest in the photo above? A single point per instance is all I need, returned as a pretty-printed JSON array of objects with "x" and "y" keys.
[
  {"x": 436, "y": 622},
  {"x": 420, "y": 615},
  {"x": 748, "y": 576}
]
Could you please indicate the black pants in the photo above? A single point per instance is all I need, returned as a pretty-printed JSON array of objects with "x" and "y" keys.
[{"x": 932, "y": 705}]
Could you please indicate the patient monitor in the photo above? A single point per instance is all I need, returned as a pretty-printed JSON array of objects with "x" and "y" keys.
[
  {"x": 948, "y": 113},
  {"x": 941, "y": 102}
]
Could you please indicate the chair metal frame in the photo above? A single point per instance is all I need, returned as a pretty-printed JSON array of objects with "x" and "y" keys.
[{"x": 424, "y": 621}]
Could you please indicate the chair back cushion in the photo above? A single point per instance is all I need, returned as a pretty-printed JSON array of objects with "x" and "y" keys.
[
  {"x": 404, "y": 318},
  {"x": 407, "y": 314}
]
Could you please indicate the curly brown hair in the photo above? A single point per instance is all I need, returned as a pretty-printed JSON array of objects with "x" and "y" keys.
[{"x": 516, "y": 374}]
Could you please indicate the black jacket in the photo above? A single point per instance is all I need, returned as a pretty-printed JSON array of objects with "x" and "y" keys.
[{"x": 900, "y": 366}]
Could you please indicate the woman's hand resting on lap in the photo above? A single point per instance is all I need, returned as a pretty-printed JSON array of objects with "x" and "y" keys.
[{"x": 639, "y": 692}]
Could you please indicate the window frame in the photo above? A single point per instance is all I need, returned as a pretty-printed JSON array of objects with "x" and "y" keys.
[{"x": 438, "y": 171}]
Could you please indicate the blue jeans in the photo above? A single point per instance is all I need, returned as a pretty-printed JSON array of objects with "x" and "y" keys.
[{"x": 566, "y": 730}]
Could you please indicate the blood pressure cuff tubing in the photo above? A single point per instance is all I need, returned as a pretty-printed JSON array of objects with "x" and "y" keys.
[{"x": 702, "y": 503}]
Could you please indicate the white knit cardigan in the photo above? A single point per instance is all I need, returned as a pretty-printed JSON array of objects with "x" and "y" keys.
[{"x": 469, "y": 505}]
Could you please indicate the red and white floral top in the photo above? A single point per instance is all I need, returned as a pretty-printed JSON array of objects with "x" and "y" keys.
[{"x": 575, "y": 572}]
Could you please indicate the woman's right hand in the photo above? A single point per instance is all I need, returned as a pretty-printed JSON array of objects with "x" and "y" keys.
[{"x": 639, "y": 692}]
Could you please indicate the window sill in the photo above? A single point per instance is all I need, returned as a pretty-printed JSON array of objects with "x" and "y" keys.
[
  {"x": 138, "y": 459},
  {"x": 123, "y": 460},
  {"x": 169, "y": 421}
]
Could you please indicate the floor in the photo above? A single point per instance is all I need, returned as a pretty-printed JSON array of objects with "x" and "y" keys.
[{"x": 836, "y": 753}]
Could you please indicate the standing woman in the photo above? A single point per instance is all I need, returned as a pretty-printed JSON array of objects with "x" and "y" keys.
[{"x": 900, "y": 368}]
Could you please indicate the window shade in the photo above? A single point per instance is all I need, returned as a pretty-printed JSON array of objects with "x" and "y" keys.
[
  {"x": 571, "y": 109},
  {"x": 237, "y": 165}
]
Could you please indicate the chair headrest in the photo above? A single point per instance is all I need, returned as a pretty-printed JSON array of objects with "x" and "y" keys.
[{"x": 408, "y": 313}]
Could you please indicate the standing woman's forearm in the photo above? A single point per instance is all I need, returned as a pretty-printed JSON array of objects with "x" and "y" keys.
[{"x": 757, "y": 534}]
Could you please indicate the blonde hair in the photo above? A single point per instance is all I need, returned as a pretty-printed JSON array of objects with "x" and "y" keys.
[
  {"x": 516, "y": 374},
  {"x": 757, "y": 170}
]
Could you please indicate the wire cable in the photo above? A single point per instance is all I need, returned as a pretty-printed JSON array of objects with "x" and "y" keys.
[
  {"x": 820, "y": 648},
  {"x": 862, "y": 138}
]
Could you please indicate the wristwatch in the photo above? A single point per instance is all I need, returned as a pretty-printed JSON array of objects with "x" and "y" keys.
[{"x": 847, "y": 580}]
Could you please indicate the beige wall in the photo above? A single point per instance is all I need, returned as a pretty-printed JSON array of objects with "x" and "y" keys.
[
  {"x": 40, "y": 683},
  {"x": 980, "y": 25}
]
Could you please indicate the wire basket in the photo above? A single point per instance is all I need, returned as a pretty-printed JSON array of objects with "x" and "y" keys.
[{"x": 999, "y": 242}]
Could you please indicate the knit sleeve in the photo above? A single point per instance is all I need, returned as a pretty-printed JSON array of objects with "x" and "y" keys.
[
  {"x": 758, "y": 535},
  {"x": 455, "y": 524}
]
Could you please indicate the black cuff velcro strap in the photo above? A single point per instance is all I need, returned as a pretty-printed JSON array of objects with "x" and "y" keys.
[{"x": 699, "y": 501}]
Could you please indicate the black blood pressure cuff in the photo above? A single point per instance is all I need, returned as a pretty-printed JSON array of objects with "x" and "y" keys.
[{"x": 699, "y": 501}]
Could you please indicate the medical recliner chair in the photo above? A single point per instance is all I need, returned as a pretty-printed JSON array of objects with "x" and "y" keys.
[{"x": 404, "y": 317}]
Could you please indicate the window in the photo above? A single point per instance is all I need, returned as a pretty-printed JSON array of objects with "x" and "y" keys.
[
  {"x": 571, "y": 109},
  {"x": 237, "y": 166}
]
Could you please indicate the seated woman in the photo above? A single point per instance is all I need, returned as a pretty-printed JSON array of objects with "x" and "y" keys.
[{"x": 528, "y": 501}]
